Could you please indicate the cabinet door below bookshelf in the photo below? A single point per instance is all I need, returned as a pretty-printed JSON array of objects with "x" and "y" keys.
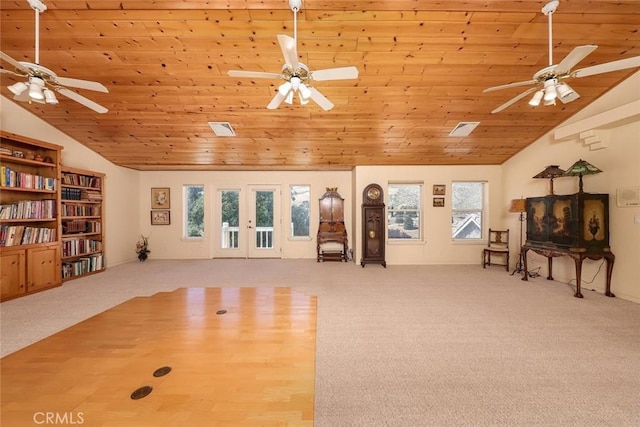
[{"x": 82, "y": 222}]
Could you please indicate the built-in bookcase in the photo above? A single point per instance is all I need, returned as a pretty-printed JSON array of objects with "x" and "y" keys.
[
  {"x": 29, "y": 215},
  {"x": 82, "y": 221}
]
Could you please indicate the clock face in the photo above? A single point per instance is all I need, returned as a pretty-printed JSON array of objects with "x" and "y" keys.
[{"x": 373, "y": 193}]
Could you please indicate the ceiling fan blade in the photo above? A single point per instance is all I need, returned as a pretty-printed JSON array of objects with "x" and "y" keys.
[
  {"x": 514, "y": 100},
  {"x": 254, "y": 74},
  {"x": 289, "y": 51},
  {"x": 82, "y": 100},
  {"x": 15, "y": 63},
  {"x": 575, "y": 56},
  {"x": 516, "y": 84},
  {"x": 342, "y": 73},
  {"x": 82, "y": 84},
  {"x": 607, "y": 67},
  {"x": 320, "y": 99},
  {"x": 276, "y": 101}
]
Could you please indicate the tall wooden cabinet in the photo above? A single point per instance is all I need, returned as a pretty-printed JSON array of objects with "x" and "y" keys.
[
  {"x": 82, "y": 222},
  {"x": 331, "y": 228},
  {"x": 29, "y": 215}
]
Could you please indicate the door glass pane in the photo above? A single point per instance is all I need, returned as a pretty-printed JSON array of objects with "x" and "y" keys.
[
  {"x": 264, "y": 219},
  {"x": 230, "y": 213}
]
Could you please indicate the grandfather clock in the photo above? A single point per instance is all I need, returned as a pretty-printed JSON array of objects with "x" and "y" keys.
[{"x": 373, "y": 220}]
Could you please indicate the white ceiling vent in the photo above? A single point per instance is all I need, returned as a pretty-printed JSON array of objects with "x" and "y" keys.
[
  {"x": 222, "y": 128},
  {"x": 464, "y": 128}
]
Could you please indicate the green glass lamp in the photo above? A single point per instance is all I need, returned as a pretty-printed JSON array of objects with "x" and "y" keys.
[{"x": 580, "y": 168}]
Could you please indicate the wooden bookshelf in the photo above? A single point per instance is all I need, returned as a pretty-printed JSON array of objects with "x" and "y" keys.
[
  {"x": 82, "y": 222},
  {"x": 29, "y": 215}
]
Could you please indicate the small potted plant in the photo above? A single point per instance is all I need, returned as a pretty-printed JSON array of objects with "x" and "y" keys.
[{"x": 142, "y": 248}]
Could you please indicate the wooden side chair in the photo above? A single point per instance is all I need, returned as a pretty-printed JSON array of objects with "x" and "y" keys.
[{"x": 498, "y": 244}]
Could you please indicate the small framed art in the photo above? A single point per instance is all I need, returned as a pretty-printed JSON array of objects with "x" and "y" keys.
[
  {"x": 160, "y": 198},
  {"x": 160, "y": 217},
  {"x": 439, "y": 190},
  {"x": 438, "y": 202}
]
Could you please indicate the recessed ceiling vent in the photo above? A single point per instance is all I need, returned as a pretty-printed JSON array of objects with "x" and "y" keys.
[
  {"x": 222, "y": 128},
  {"x": 464, "y": 128}
]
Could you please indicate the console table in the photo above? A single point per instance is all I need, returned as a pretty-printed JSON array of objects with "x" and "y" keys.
[{"x": 578, "y": 257}]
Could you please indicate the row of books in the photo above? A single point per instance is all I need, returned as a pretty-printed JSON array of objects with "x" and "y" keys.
[
  {"x": 80, "y": 210},
  {"x": 11, "y": 178},
  {"x": 29, "y": 209},
  {"x": 81, "y": 226},
  {"x": 71, "y": 193},
  {"x": 15, "y": 235},
  {"x": 76, "y": 246},
  {"x": 82, "y": 266},
  {"x": 81, "y": 180}
]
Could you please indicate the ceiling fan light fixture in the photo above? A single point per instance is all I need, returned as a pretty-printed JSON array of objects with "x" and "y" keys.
[
  {"x": 284, "y": 88},
  {"x": 550, "y": 90},
  {"x": 35, "y": 89},
  {"x": 50, "y": 97},
  {"x": 537, "y": 97},
  {"x": 18, "y": 88},
  {"x": 289, "y": 98},
  {"x": 295, "y": 82},
  {"x": 564, "y": 90},
  {"x": 305, "y": 93}
]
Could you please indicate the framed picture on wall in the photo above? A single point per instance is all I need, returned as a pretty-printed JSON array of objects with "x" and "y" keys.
[
  {"x": 439, "y": 190},
  {"x": 160, "y": 198},
  {"x": 438, "y": 202},
  {"x": 160, "y": 217}
]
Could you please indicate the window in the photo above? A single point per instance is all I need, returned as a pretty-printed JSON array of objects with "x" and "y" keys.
[
  {"x": 194, "y": 211},
  {"x": 300, "y": 210},
  {"x": 467, "y": 212},
  {"x": 404, "y": 211}
]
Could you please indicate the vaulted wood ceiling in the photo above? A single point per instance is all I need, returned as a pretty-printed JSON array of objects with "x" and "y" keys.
[{"x": 422, "y": 65}]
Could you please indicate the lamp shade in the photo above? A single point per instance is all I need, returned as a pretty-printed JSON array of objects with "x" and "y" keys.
[
  {"x": 580, "y": 168},
  {"x": 550, "y": 172},
  {"x": 517, "y": 205}
]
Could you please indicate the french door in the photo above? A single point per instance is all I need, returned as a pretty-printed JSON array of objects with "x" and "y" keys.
[{"x": 247, "y": 221}]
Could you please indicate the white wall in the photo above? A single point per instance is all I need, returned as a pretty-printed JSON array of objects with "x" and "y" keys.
[
  {"x": 620, "y": 165},
  {"x": 121, "y": 184},
  {"x": 437, "y": 246},
  {"x": 167, "y": 242}
]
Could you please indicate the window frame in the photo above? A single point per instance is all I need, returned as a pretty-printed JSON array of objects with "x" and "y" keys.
[
  {"x": 483, "y": 211},
  {"x": 291, "y": 204},
  {"x": 185, "y": 212},
  {"x": 420, "y": 210}
]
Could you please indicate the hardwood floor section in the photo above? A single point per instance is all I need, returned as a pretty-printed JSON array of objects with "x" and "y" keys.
[{"x": 253, "y": 365}]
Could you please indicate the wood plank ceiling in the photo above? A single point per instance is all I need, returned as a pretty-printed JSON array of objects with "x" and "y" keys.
[{"x": 422, "y": 64}]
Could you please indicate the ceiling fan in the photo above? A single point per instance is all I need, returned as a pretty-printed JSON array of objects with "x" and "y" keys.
[
  {"x": 42, "y": 82},
  {"x": 298, "y": 79},
  {"x": 548, "y": 83}
]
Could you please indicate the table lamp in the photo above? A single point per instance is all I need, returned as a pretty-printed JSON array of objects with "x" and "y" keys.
[
  {"x": 580, "y": 168},
  {"x": 550, "y": 172}
]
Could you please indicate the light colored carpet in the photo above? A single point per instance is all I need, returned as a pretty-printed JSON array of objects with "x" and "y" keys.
[{"x": 410, "y": 345}]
